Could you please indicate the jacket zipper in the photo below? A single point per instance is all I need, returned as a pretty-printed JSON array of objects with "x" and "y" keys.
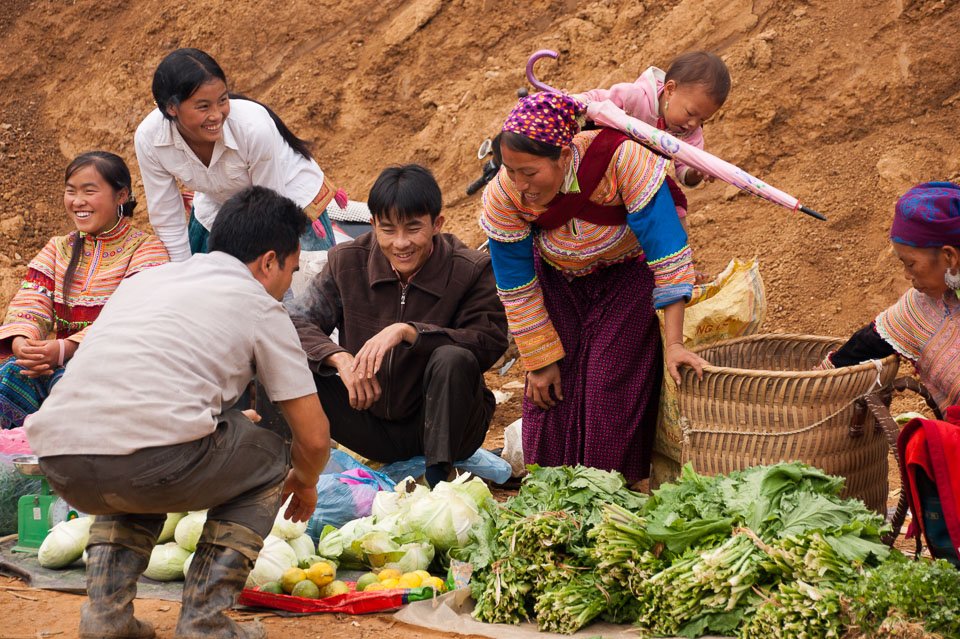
[{"x": 403, "y": 303}]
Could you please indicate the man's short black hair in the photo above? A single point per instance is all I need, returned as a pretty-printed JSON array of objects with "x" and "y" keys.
[
  {"x": 403, "y": 192},
  {"x": 257, "y": 220}
]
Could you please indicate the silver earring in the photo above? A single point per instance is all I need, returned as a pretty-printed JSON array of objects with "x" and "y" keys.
[
  {"x": 952, "y": 279},
  {"x": 119, "y": 211}
]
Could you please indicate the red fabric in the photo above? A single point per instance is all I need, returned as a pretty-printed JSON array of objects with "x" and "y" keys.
[
  {"x": 354, "y": 603},
  {"x": 566, "y": 206},
  {"x": 934, "y": 446}
]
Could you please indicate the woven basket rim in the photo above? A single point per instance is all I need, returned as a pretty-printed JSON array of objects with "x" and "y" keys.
[{"x": 889, "y": 360}]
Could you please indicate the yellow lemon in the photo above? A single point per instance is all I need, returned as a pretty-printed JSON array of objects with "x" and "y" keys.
[
  {"x": 291, "y": 577},
  {"x": 388, "y": 584},
  {"x": 409, "y": 580},
  {"x": 389, "y": 573},
  {"x": 436, "y": 583},
  {"x": 373, "y": 587},
  {"x": 321, "y": 573},
  {"x": 423, "y": 574}
]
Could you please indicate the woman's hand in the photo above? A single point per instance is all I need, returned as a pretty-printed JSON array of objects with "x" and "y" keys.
[
  {"x": 676, "y": 355},
  {"x": 38, "y": 357},
  {"x": 539, "y": 384}
]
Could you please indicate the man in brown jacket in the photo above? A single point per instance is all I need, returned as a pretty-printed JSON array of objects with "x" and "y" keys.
[{"x": 419, "y": 322}]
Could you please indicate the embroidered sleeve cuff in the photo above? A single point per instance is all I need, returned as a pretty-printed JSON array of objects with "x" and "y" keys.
[
  {"x": 674, "y": 278},
  {"x": 532, "y": 329}
]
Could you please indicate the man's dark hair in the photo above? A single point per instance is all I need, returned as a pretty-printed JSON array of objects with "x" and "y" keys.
[
  {"x": 257, "y": 220},
  {"x": 700, "y": 67},
  {"x": 404, "y": 192}
]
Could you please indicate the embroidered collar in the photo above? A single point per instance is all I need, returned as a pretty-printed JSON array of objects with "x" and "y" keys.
[{"x": 117, "y": 230}]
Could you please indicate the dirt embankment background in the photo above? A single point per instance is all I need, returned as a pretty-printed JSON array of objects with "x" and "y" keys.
[{"x": 844, "y": 104}]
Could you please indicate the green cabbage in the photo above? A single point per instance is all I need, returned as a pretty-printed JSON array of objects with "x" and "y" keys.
[
  {"x": 166, "y": 562},
  {"x": 343, "y": 544},
  {"x": 410, "y": 557},
  {"x": 287, "y": 528},
  {"x": 275, "y": 557},
  {"x": 444, "y": 518},
  {"x": 186, "y": 564},
  {"x": 303, "y": 546},
  {"x": 64, "y": 543},
  {"x": 169, "y": 526},
  {"x": 187, "y": 532}
]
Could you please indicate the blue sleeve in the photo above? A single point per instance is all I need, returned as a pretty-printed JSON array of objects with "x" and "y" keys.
[
  {"x": 512, "y": 262},
  {"x": 657, "y": 226}
]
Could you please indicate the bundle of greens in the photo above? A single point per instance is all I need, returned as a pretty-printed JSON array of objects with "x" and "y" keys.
[
  {"x": 903, "y": 598},
  {"x": 795, "y": 609}
]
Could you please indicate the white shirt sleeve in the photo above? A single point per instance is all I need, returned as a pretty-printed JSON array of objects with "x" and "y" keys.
[
  {"x": 164, "y": 202},
  {"x": 281, "y": 364}
]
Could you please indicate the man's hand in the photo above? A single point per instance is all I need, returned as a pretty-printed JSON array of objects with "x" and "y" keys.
[
  {"x": 676, "y": 355},
  {"x": 539, "y": 383},
  {"x": 362, "y": 392},
  {"x": 38, "y": 356},
  {"x": 370, "y": 356},
  {"x": 304, "y": 500}
]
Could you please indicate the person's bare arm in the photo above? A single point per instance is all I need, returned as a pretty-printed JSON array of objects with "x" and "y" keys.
[{"x": 309, "y": 452}]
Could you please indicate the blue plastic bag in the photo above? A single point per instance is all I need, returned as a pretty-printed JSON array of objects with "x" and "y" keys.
[
  {"x": 482, "y": 463},
  {"x": 345, "y": 491}
]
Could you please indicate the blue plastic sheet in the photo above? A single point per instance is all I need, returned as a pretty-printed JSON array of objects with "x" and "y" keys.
[
  {"x": 482, "y": 463},
  {"x": 345, "y": 491}
]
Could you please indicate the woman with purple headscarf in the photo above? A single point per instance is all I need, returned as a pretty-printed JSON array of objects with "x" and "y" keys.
[
  {"x": 586, "y": 243},
  {"x": 924, "y": 325}
]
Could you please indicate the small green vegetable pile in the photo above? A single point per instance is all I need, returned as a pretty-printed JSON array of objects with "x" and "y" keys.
[{"x": 770, "y": 551}]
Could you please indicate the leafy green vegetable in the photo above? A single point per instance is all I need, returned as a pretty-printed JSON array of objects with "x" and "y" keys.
[{"x": 902, "y": 593}]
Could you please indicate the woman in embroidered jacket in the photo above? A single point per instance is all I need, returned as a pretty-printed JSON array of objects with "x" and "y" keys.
[
  {"x": 585, "y": 243},
  {"x": 69, "y": 281},
  {"x": 924, "y": 325}
]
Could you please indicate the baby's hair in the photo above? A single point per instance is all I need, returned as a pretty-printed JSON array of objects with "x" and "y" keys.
[{"x": 700, "y": 67}]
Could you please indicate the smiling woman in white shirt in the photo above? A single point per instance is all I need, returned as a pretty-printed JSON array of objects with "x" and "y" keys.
[{"x": 217, "y": 144}]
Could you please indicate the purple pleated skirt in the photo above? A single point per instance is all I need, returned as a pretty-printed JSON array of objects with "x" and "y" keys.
[{"x": 610, "y": 375}]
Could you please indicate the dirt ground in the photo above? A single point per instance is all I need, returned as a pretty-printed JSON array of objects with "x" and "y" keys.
[{"x": 843, "y": 104}]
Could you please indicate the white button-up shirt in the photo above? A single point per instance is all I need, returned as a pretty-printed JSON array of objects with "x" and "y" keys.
[{"x": 250, "y": 152}]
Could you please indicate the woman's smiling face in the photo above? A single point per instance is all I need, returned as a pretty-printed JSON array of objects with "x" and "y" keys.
[
  {"x": 537, "y": 178},
  {"x": 91, "y": 202},
  {"x": 200, "y": 117}
]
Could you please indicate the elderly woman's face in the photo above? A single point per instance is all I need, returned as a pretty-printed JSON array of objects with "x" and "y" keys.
[
  {"x": 924, "y": 268},
  {"x": 538, "y": 179}
]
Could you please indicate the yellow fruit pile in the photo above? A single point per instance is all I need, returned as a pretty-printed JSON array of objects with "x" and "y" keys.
[
  {"x": 390, "y": 579},
  {"x": 316, "y": 582}
]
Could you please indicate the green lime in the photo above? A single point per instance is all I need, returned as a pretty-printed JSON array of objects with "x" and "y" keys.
[
  {"x": 334, "y": 588},
  {"x": 366, "y": 580},
  {"x": 273, "y": 587},
  {"x": 306, "y": 589}
]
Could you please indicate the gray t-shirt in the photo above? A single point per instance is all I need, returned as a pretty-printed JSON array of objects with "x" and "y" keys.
[{"x": 174, "y": 347}]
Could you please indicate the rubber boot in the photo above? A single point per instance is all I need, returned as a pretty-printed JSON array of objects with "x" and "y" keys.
[
  {"x": 217, "y": 575},
  {"x": 112, "y": 573}
]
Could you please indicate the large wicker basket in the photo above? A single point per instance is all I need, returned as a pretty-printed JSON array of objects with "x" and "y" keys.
[{"x": 760, "y": 403}]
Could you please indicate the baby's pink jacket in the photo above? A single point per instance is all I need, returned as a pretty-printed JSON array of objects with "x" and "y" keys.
[{"x": 641, "y": 100}]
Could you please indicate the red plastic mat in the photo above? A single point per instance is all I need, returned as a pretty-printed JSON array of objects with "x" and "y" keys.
[{"x": 354, "y": 603}]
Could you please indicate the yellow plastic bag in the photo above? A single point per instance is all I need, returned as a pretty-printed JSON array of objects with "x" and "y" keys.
[{"x": 732, "y": 305}]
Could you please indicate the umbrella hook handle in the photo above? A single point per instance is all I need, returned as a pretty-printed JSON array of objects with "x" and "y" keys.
[{"x": 542, "y": 53}]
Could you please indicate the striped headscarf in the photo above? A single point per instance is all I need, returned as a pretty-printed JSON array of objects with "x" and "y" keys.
[
  {"x": 550, "y": 118},
  {"x": 928, "y": 216}
]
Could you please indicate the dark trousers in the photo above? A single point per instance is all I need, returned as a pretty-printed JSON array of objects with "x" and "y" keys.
[
  {"x": 237, "y": 472},
  {"x": 450, "y": 426}
]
